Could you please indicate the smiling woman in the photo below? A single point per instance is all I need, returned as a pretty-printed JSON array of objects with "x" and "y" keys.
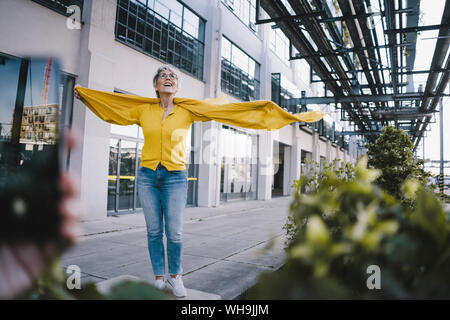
[
  {"x": 166, "y": 80},
  {"x": 162, "y": 176}
]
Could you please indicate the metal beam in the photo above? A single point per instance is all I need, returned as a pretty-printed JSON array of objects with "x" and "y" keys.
[
  {"x": 418, "y": 71},
  {"x": 409, "y": 114},
  {"x": 275, "y": 8},
  {"x": 333, "y": 80},
  {"x": 363, "y": 98},
  {"x": 346, "y": 17},
  {"x": 287, "y": 17},
  {"x": 361, "y": 133},
  {"x": 343, "y": 51},
  {"x": 360, "y": 70},
  {"x": 385, "y": 85},
  {"x": 417, "y": 29},
  {"x": 392, "y": 39},
  {"x": 357, "y": 133},
  {"x": 365, "y": 57}
]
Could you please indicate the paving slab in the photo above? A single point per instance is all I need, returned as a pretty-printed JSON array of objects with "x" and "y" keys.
[
  {"x": 218, "y": 278},
  {"x": 90, "y": 279},
  {"x": 103, "y": 226},
  {"x": 142, "y": 269},
  {"x": 219, "y": 248},
  {"x": 135, "y": 238},
  {"x": 107, "y": 260},
  {"x": 90, "y": 246},
  {"x": 269, "y": 257}
]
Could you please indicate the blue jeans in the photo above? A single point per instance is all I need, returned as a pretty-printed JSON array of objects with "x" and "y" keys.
[{"x": 163, "y": 197}]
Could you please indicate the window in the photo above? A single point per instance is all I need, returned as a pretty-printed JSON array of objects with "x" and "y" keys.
[
  {"x": 306, "y": 159},
  {"x": 240, "y": 73},
  {"x": 285, "y": 93},
  {"x": 166, "y": 30},
  {"x": 323, "y": 163},
  {"x": 32, "y": 113},
  {"x": 61, "y": 6},
  {"x": 238, "y": 173},
  {"x": 245, "y": 10},
  {"x": 279, "y": 44}
]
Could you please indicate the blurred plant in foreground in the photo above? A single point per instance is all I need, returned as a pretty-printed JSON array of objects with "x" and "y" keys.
[
  {"x": 51, "y": 285},
  {"x": 345, "y": 224}
]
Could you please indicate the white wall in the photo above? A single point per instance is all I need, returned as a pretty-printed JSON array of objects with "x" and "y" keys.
[
  {"x": 306, "y": 141},
  {"x": 28, "y": 28}
]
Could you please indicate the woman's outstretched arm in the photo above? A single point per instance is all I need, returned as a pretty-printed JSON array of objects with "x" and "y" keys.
[
  {"x": 259, "y": 114},
  {"x": 115, "y": 108}
]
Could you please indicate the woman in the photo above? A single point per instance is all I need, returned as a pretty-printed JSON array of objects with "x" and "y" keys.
[{"x": 162, "y": 176}]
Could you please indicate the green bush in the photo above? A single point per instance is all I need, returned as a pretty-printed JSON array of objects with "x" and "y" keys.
[
  {"x": 311, "y": 182},
  {"x": 343, "y": 225},
  {"x": 393, "y": 154}
]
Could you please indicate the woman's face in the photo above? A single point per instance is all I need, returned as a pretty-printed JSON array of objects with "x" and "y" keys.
[{"x": 167, "y": 82}]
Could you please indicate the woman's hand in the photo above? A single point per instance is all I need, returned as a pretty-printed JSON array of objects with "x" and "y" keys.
[
  {"x": 22, "y": 263},
  {"x": 76, "y": 94}
]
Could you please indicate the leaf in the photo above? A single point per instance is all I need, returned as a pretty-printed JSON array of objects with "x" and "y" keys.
[
  {"x": 410, "y": 187},
  {"x": 136, "y": 290},
  {"x": 429, "y": 216},
  {"x": 300, "y": 251},
  {"x": 316, "y": 232},
  {"x": 364, "y": 173},
  {"x": 340, "y": 249}
]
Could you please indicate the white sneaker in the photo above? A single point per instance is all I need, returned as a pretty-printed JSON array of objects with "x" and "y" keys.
[
  {"x": 160, "y": 284},
  {"x": 177, "y": 285}
]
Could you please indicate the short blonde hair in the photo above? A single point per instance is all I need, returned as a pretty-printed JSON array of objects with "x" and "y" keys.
[{"x": 158, "y": 72}]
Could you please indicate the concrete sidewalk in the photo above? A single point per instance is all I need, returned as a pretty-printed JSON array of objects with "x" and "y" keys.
[{"x": 224, "y": 247}]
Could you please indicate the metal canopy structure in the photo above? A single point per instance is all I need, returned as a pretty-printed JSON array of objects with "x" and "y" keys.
[{"x": 364, "y": 52}]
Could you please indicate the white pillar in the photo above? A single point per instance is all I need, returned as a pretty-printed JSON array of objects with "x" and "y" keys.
[
  {"x": 208, "y": 173},
  {"x": 208, "y": 194},
  {"x": 265, "y": 165},
  {"x": 329, "y": 158},
  {"x": 315, "y": 147},
  {"x": 287, "y": 176},
  {"x": 296, "y": 152},
  {"x": 91, "y": 157}
]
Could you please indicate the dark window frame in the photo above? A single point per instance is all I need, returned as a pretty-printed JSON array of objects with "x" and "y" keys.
[
  {"x": 233, "y": 78},
  {"x": 161, "y": 39},
  {"x": 279, "y": 93},
  {"x": 252, "y": 24},
  {"x": 61, "y": 6},
  {"x": 68, "y": 81}
]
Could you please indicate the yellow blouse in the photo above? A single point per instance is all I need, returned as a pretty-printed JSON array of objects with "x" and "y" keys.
[{"x": 165, "y": 141}]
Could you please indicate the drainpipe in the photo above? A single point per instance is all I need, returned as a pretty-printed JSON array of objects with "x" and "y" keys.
[{"x": 216, "y": 93}]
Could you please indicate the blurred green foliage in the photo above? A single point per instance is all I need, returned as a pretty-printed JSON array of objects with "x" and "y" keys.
[
  {"x": 51, "y": 285},
  {"x": 342, "y": 223}
]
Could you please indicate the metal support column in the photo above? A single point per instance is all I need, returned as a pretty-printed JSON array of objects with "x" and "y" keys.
[{"x": 441, "y": 129}]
